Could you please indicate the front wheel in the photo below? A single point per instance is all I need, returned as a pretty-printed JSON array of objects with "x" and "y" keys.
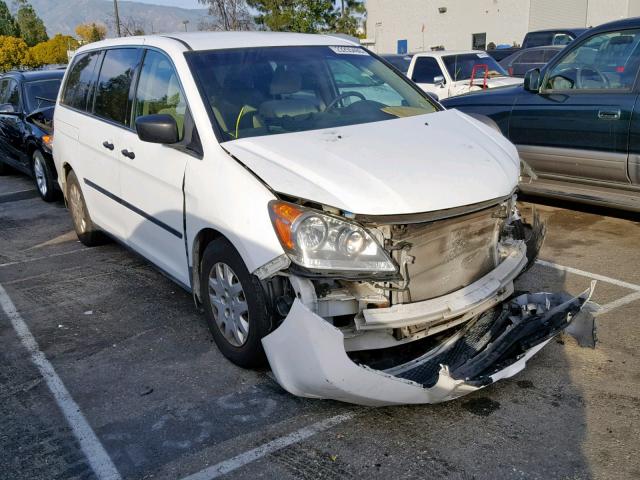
[
  {"x": 235, "y": 305},
  {"x": 44, "y": 176}
]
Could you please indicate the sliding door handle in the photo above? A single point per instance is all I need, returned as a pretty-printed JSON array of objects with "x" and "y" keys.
[{"x": 613, "y": 114}]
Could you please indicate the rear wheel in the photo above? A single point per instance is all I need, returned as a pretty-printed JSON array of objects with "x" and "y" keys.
[
  {"x": 87, "y": 232},
  {"x": 44, "y": 176},
  {"x": 235, "y": 305}
]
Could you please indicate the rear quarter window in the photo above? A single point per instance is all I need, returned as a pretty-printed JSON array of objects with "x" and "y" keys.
[{"x": 79, "y": 79}]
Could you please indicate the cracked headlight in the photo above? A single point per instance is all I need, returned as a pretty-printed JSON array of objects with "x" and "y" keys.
[{"x": 325, "y": 243}]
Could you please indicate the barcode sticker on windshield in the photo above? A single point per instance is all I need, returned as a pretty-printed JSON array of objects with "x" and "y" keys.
[
  {"x": 340, "y": 50},
  {"x": 483, "y": 55}
]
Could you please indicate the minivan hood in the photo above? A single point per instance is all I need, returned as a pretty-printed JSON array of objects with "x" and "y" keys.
[{"x": 406, "y": 165}]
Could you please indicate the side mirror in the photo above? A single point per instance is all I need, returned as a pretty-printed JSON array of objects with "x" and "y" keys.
[
  {"x": 532, "y": 80},
  {"x": 8, "y": 109},
  {"x": 439, "y": 81},
  {"x": 157, "y": 128}
]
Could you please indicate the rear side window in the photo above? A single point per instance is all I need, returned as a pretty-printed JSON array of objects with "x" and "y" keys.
[
  {"x": 79, "y": 80},
  {"x": 159, "y": 90},
  {"x": 532, "y": 56},
  {"x": 112, "y": 90},
  {"x": 425, "y": 70}
]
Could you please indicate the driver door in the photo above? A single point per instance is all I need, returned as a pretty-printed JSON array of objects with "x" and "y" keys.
[{"x": 578, "y": 124}]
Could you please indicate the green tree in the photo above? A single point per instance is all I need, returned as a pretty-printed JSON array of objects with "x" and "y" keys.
[
  {"x": 8, "y": 24},
  {"x": 50, "y": 52},
  {"x": 307, "y": 16},
  {"x": 32, "y": 28},
  {"x": 350, "y": 17},
  {"x": 13, "y": 51}
]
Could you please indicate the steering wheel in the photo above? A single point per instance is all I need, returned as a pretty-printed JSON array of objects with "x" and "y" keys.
[
  {"x": 580, "y": 80},
  {"x": 335, "y": 101}
]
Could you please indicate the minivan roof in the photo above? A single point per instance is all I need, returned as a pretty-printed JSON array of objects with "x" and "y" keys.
[{"x": 224, "y": 40}]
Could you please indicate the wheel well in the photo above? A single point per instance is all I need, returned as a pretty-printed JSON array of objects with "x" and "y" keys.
[{"x": 203, "y": 238}]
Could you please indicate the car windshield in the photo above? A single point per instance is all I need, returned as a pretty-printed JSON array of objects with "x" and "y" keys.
[
  {"x": 400, "y": 62},
  {"x": 42, "y": 93},
  {"x": 461, "y": 67},
  {"x": 272, "y": 90}
]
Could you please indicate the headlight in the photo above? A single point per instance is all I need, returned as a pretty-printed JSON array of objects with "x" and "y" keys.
[{"x": 321, "y": 242}]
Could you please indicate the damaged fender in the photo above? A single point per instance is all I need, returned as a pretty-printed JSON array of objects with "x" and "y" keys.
[{"x": 308, "y": 357}]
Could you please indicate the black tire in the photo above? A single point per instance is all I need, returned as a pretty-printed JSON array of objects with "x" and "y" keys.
[
  {"x": 44, "y": 176},
  {"x": 4, "y": 168},
  {"x": 87, "y": 232},
  {"x": 250, "y": 353}
]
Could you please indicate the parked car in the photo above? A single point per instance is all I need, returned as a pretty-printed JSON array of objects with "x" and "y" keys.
[
  {"x": 576, "y": 121},
  {"x": 449, "y": 73},
  {"x": 540, "y": 38},
  {"x": 26, "y": 112},
  {"x": 311, "y": 221},
  {"x": 519, "y": 63},
  {"x": 401, "y": 62}
]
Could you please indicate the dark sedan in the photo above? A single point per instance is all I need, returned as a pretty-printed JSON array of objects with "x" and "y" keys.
[
  {"x": 519, "y": 63},
  {"x": 576, "y": 121},
  {"x": 26, "y": 113}
]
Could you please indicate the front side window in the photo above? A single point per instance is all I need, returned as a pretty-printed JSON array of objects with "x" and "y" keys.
[
  {"x": 425, "y": 70},
  {"x": 271, "y": 90},
  {"x": 159, "y": 90},
  {"x": 532, "y": 56},
  {"x": 79, "y": 80},
  {"x": 605, "y": 61},
  {"x": 460, "y": 67},
  {"x": 10, "y": 93},
  {"x": 41, "y": 93},
  {"x": 114, "y": 82}
]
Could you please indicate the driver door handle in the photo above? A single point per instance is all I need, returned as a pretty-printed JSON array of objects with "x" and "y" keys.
[
  {"x": 108, "y": 145},
  {"x": 609, "y": 114},
  {"x": 128, "y": 154}
]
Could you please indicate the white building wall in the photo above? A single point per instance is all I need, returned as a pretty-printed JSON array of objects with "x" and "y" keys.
[{"x": 504, "y": 21}]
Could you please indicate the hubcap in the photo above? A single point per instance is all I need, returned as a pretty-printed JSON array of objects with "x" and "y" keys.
[
  {"x": 77, "y": 209},
  {"x": 229, "y": 304},
  {"x": 38, "y": 170}
]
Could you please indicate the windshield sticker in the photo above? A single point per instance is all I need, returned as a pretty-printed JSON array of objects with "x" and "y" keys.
[
  {"x": 340, "y": 50},
  {"x": 483, "y": 55}
]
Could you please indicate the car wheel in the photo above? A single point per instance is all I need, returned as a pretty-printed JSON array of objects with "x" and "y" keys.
[
  {"x": 44, "y": 177},
  {"x": 235, "y": 305},
  {"x": 87, "y": 232}
]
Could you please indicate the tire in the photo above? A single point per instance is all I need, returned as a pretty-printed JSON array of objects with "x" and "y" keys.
[
  {"x": 4, "y": 168},
  {"x": 86, "y": 231},
  {"x": 223, "y": 305},
  {"x": 44, "y": 176}
]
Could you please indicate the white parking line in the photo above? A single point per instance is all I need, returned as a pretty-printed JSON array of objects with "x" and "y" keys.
[
  {"x": 97, "y": 456},
  {"x": 595, "y": 276},
  {"x": 606, "y": 308},
  {"x": 36, "y": 259},
  {"x": 247, "y": 457}
]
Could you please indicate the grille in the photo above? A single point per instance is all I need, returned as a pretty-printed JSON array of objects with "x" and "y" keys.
[{"x": 449, "y": 254}]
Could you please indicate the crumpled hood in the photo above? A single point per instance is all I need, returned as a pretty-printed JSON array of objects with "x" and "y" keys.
[{"x": 406, "y": 165}]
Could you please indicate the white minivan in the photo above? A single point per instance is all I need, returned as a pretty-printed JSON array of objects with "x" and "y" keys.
[{"x": 326, "y": 214}]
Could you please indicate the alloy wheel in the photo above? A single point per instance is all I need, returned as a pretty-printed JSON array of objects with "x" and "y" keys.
[{"x": 229, "y": 303}]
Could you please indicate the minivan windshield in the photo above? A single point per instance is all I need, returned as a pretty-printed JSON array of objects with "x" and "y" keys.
[
  {"x": 461, "y": 67},
  {"x": 272, "y": 90},
  {"x": 42, "y": 93}
]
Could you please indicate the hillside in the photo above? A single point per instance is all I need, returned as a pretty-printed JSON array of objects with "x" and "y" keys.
[{"x": 63, "y": 15}]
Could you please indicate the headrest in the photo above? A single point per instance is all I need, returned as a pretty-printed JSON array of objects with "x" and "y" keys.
[
  {"x": 285, "y": 82},
  {"x": 621, "y": 40}
]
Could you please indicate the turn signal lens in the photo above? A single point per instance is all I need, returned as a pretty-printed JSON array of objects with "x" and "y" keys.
[
  {"x": 47, "y": 140},
  {"x": 283, "y": 215}
]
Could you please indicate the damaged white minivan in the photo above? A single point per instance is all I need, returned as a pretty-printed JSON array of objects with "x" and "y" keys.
[{"x": 325, "y": 213}]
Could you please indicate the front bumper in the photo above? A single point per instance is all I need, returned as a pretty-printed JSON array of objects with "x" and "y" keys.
[{"x": 308, "y": 357}]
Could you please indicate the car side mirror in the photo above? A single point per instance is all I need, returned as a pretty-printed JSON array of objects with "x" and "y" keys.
[
  {"x": 439, "y": 81},
  {"x": 8, "y": 109},
  {"x": 532, "y": 80},
  {"x": 157, "y": 128}
]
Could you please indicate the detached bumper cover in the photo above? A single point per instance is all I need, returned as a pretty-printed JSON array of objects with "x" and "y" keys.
[{"x": 308, "y": 358}]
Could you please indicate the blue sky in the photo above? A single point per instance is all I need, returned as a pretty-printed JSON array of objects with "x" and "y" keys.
[{"x": 175, "y": 3}]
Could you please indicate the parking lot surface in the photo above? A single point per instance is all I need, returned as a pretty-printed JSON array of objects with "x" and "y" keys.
[{"x": 134, "y": 387}]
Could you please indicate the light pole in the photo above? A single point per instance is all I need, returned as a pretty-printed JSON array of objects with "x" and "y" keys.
[
  {"x": 185, "y": 22},
  {"x": 115, "y": 10}
]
